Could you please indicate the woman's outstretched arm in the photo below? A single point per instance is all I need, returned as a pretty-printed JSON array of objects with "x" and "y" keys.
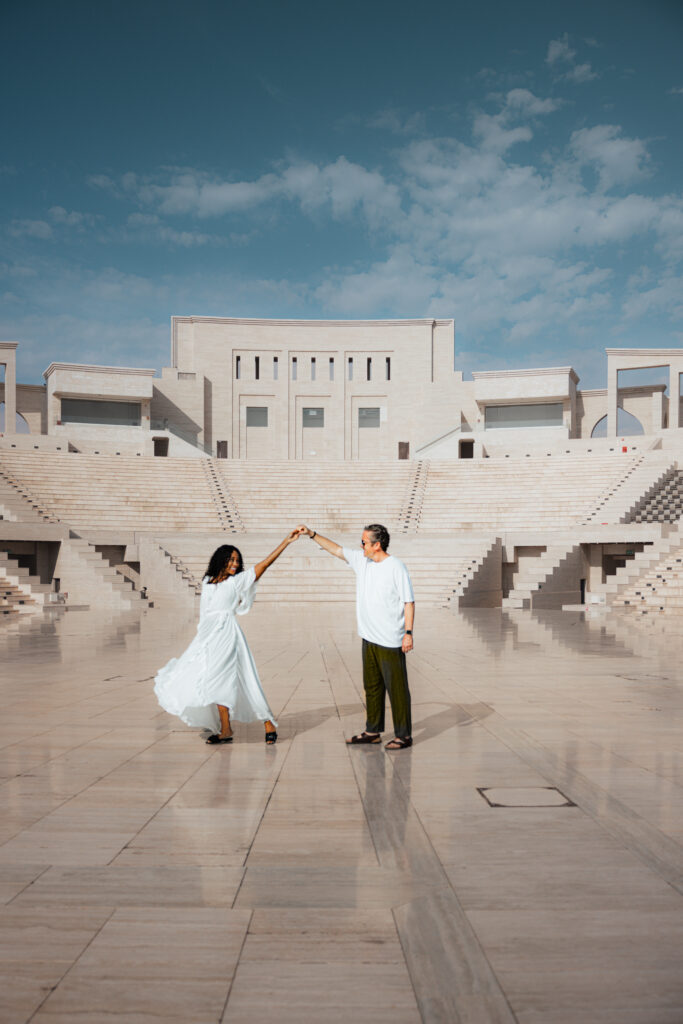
[{"x": 269, "y": 559}]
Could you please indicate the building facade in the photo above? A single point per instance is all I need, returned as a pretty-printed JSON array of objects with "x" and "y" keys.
[{"x": 326, "y": 390}]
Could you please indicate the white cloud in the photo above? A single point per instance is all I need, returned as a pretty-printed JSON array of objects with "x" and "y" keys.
[
  {"x": 581, "y": 73},
  {"x": 525, "y": 101},
  {"x": 676, "y": 91},
  {"x": 342, "y": 187},
  {"x": 72, "y": 218},
  {"x": 30, "y": 229},
  {"x": 559, "y": 51},
  {"x": 664, "y": 297},
  {"x": 617, "y": 159},
  {"x": 560, "y": 54},
  {"x": 399, "y": 283},
  {"x": 398, "y": 123}
]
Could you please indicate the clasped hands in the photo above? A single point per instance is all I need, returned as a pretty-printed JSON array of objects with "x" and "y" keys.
[{"x": 297, "y": 532}]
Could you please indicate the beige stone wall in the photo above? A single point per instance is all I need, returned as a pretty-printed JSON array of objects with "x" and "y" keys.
[
  {"x": 419, "y": 399},
  {"x": 72, "y": 380},
  {"x": 647, "y": 403}
]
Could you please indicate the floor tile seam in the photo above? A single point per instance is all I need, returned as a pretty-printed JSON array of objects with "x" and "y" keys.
[
  {"x": 466, "y": 926},
  {"x": 160, "y": 807},
  {"x": 245, "y": 864},
  {"x": 237, "y": 963},
  {"x": 79, "y": 746},
  {"x": 470, "y": 938},
  {"x": 625, "y": 760},
  {"x": 362, "y": 803},
  {"x": 54, "y": 988},
  {"x": 27, "y": 886},
  {"x": 349, "y": 673},
  {"x": 640, "y": 846},
  {"x": 74, "y": 796},
  {"x": 348, "y": 748}
]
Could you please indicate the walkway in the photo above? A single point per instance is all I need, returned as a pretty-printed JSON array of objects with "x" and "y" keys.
[{"x": 522, "y": 862}]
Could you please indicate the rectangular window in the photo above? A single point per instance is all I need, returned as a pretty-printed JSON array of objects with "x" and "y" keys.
[
  {"x": 369, "y": 370},
  {"x": 388, "y": 368},
  {"x": 331, "y": 369},
  {"x": 257, "y": 416},
  {"x": 238, "y": 367},
  {"x": 350, "y": 368},
  {"x": 547, "y": 414},
  {"x": 90, "y": 410},
  {"x": 313, "y": 368},
  {"x": 314, "y": 418},
  {"x": 276, "y": 367},
  {"x": 368, "y": 417},
  {"x": 295, "y": 368},
  {"x": 257, "y": 367}
]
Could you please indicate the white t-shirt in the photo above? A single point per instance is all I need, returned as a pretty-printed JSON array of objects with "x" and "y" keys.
[{"x": 382, "y": 589}]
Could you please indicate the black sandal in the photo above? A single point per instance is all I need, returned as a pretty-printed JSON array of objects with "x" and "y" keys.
[
  {"x": 399, "y": 743},
  {"x": 271, "y": 737},
  {"x": 365, "y": 737},
  {"x": 216, "y": 738}
]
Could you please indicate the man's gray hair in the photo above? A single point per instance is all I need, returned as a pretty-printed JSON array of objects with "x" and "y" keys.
[{"x": 378, "y": 533}]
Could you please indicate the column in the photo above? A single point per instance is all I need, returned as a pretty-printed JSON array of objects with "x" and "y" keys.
[
  {"x": 8, "y": 356},
  {"x": 612, "y": 397},
  {"x": 674, "y": 396}
]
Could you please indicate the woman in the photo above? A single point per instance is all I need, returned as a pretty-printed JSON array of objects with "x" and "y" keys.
[{"x": 216, "y": 676}]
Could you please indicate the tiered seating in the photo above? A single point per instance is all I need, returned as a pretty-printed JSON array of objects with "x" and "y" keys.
[
  {"x": 440, "y": 569},
  {"x": 97, "y": 492},
  {"x": 104, "y": 492},
  {"x": 335, "y": 497},
  {"x": 660, "y": 589},
  {"x": 666, "y": 506},
  {"x": 539, "y": 492},
  {"x": 13, "y": 599}
]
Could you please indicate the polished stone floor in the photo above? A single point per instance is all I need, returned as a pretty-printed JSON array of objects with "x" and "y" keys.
[{"x": 522, "y": 862}]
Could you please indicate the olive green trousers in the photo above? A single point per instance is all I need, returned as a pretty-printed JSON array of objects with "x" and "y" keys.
[{"x": 385, "y": 671}]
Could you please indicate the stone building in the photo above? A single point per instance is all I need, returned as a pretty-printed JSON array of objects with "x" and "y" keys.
[{"x": 319, "y": 390}]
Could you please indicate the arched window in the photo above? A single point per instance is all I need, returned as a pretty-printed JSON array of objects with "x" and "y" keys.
[
  {"x": 628, "y": 425},
  {"x": 21, "y": 424}
]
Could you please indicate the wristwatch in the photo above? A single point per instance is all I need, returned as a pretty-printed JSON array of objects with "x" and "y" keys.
[{"x": 409, "y": 632}]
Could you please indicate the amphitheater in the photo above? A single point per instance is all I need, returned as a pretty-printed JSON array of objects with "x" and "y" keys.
[{"x": 522, "y": 862}]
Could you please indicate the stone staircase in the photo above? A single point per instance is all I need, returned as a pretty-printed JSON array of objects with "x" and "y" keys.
[
  {"x": 665, "y": 505},
  {"x": 659, "y": 590},
  {"x": 445, "y": 572},
  {"x": 409, "y": 516},
  {"x": 17, "y": 505},
  {"x": 94, "y": 580},
  {"x": 30, "y": 587},
  {"x": 547, "y": 581},
  {"x": 637, "y": 567},
  {"x": 13, "y": 599},
  {"x": 621, "y": 499}
]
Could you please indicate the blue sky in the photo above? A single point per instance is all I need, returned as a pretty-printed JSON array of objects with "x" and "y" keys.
[{"x": 517, "y": 167}]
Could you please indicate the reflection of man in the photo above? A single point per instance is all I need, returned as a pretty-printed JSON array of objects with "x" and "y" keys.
[{"x": 385, "y": 607}]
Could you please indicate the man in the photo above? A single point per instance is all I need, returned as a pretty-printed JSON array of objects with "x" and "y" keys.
[{"x": 385, "y": 607}]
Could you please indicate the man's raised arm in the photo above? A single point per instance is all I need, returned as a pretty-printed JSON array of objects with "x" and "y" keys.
[{"x": 328, "y": 545}]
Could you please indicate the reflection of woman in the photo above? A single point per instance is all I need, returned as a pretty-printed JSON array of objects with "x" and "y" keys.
[{"x": 216, "y": 676}]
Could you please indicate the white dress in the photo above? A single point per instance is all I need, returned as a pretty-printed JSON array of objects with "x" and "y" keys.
[{"x": 217, "y": 667}]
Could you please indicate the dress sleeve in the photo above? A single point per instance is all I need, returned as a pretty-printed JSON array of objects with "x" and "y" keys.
[
  {"x": 245, "y": 583},
  {"x": 353, "y": 558}
]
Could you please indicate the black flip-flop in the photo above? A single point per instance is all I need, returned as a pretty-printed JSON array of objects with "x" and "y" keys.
[
  {"x": 271, "y": 737},
  {"x": 219, "y": 739}
]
